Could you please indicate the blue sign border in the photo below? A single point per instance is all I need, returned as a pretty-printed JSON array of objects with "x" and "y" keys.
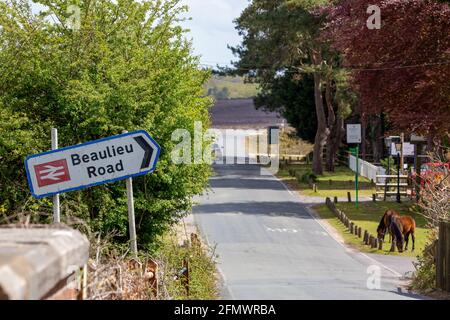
[{"x": 158, "y": 151}]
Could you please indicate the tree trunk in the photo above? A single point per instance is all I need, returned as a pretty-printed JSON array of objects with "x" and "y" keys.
[
  {"x": 322, "y": 129},
  {"x": 329, "y": 159},
  {"x": 377, "y": 143}
]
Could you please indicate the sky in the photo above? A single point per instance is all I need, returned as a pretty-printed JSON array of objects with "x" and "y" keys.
[{"x": 212, "y": 28}]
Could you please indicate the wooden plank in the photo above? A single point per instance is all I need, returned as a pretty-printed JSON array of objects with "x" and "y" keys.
[
  {"x": 402, "y": 184},
  {"x": 447, "y": 257},
  {"x": 440, "y": 257},
  {"x": 391, "y": 176}
]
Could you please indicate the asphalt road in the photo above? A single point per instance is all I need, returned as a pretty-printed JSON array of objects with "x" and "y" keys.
[{"x": 270, "y": 247}]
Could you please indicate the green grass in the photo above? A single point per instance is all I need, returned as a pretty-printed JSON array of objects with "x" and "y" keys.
[
  {"x": 367, "y": 216},
  {"x": 202, "y": 270},
  {"x": 235, "y": 86},
  {"x": 342, "y": 181}
]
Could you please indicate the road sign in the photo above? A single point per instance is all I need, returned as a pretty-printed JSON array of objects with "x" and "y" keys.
[
  {"x": 353, "y": 133},
  {"x": 408, "y": 149},
  {"x": 91, "y": 163}
]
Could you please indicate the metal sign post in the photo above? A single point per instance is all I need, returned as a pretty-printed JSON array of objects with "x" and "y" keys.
[
  {"x": 56, "y": 210},
  {"x": 131, "y": 217},
  {"x": 354, "y": 136}
]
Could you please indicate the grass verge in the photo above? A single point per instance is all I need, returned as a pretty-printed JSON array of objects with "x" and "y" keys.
[
  {"x": 367, "y": 216},
  {"x": 202, "y": 270},
  {"x": 330, "y": 184}
]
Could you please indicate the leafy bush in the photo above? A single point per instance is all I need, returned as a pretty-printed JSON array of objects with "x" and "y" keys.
[
  {"x": 308, "y": 176},
  {"x": 129, "y": 67}
]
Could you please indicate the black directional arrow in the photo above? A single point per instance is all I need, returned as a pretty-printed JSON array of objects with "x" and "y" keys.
[{"x": 148, "y": 151}]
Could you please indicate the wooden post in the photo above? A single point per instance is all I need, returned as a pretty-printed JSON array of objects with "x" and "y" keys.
[
  {"x": 359, "y": 232},
  {"x": 185, "y": 278},
  {"x": 374, "y": 197},
  {"x": 351, "y": 227},
  {"x": 349, "y": 196},
  {"x": 366, "y": 236},
  {"x": 315, "y": 187},
  {"x": 439, "y": 256},
  {"x": 380, "y": 245},
  {"x": 335, "y": 199},
  {"x": 375, "y": 243}
]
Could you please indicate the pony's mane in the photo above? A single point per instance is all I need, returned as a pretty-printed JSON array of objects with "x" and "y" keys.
[{"x": 381, "y": 225}]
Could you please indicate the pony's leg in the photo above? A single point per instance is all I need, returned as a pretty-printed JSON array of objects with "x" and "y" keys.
[
  {"x": 393, "y": 245},
  {"x": 413, "y": 240},
  {"x": 406, "y": 241}
]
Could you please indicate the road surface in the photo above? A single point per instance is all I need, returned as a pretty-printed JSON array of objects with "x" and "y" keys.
[{"x": 270, "y": 247}]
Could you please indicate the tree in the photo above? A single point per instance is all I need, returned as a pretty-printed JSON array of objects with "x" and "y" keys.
[
  {"x": 402, "y": 69},
  {"x": 283, "y": 36},
  {"x": 292, "y": 96},
  {"x": 125, "y": 66}
]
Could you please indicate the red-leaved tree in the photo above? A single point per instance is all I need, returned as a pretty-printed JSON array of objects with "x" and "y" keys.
[{"x": 401, "y": 69}]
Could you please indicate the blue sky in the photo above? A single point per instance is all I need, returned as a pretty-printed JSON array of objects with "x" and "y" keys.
[{"x": 212, "y": 28}]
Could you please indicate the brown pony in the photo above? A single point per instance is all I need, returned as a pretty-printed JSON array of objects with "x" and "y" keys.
[{"x": 392, "y": 221}]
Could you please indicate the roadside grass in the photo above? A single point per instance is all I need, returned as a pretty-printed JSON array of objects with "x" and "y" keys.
[
  {"x": 330, "y": 184},
  {"x": 202, "y": 270},
  {"x": 367, "y": 216}
]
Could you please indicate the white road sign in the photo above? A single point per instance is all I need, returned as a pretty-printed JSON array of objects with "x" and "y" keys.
[
  {"x": 92, "y": 163},
  {"x": 353, "y": 133},
  {"x": 408, "y": 149}
]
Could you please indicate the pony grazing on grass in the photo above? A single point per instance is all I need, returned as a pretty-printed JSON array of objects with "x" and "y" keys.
[{"x": 399, "y": 227}]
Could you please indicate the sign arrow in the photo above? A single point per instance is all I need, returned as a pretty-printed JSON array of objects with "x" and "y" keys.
[{"x": 148, "y": 151}]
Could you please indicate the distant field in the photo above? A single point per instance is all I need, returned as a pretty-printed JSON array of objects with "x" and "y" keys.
[{"x": 225, "y": 87}]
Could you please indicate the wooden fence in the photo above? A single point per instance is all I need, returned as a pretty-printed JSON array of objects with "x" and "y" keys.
[
  {"x": 443, "y": 257},
  {"x": 367, "y": 238}
]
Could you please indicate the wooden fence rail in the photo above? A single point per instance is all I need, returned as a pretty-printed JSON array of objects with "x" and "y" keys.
[{"x": 443, "y": 257}]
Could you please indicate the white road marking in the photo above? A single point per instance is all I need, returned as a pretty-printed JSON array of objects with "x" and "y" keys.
[{"x": 395, "y": 273}]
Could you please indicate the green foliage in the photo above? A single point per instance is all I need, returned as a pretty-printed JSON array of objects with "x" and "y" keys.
[
  {"x": 384, "y": 162},
  {"x": 202, "y": 270},
  {"x": 425, "y": 276},
  {"x": 293, "y": 96},
  {"x": 308, "y": 176},
  {"x": 127, "y": 67}
]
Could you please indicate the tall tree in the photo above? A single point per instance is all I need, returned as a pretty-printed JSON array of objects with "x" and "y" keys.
[
  {"x": 292, "y": 95},
  {"x": 401, "y": 69},
  {"x": 281, "y": 37}
]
